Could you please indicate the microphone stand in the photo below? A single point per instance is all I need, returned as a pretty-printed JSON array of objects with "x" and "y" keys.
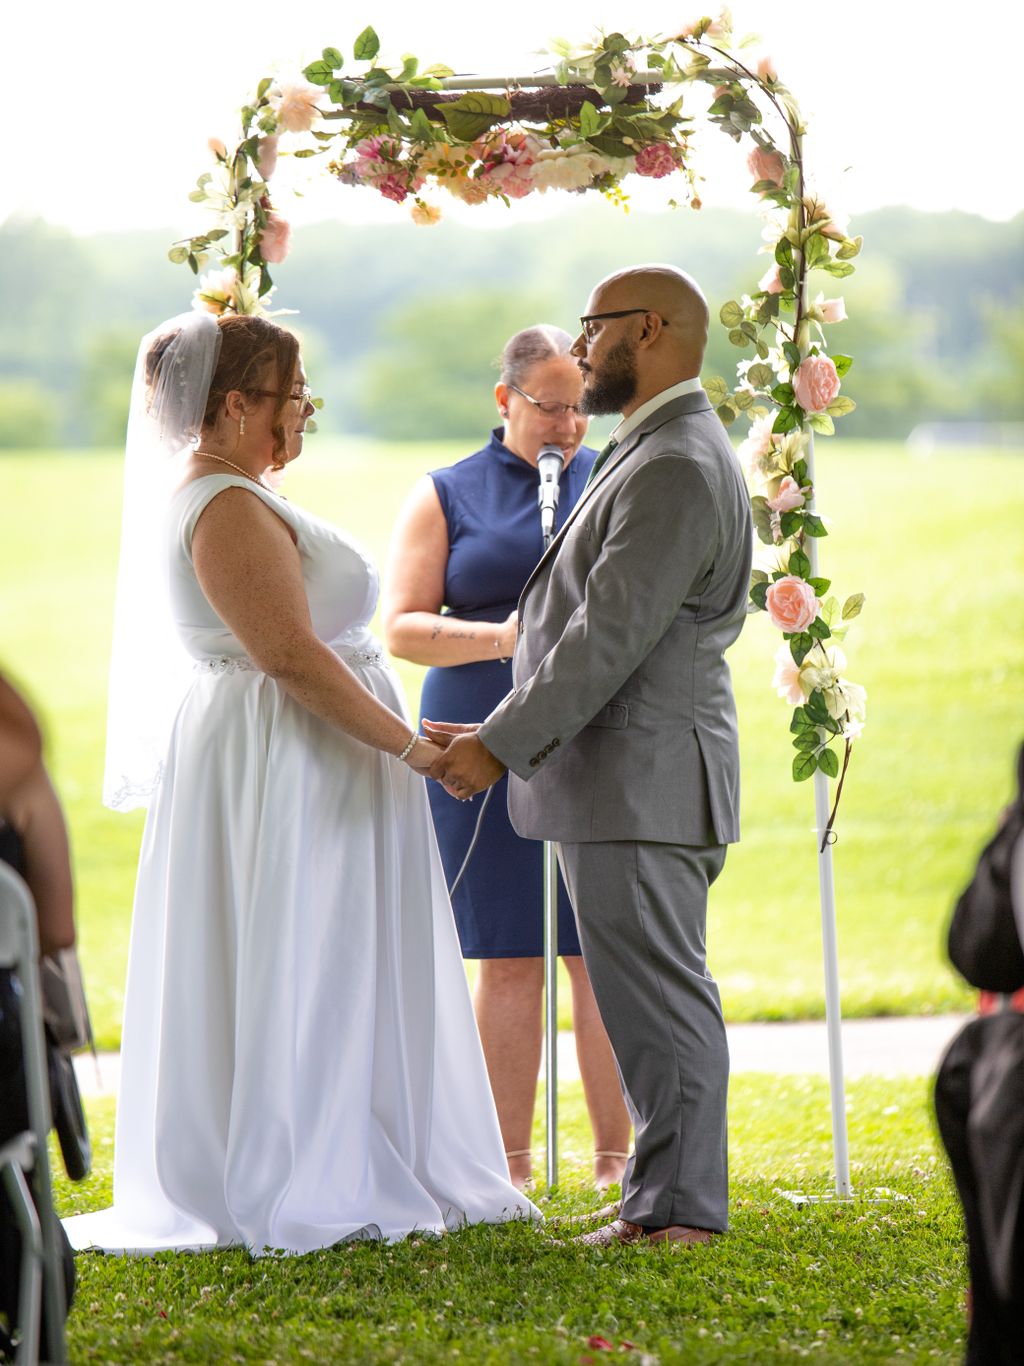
[{"x": 550, "y": 899}]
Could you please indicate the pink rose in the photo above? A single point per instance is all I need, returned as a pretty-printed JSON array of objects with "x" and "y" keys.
[
  {"x": 393, "y": 187},
  {"x": 770, "y": 282},
  {"x": 766, "y": 70},
  {"x": 832, "y": 310},
  {"x": 266, "y": 156},
  {"x": 765, "y": 164},
  {"x": 275, "y": 239},
  {"x": 217, "y": 148},
  {"x": 758, "y": 444},
  {"x": 815, "y": 383},
  {"x": 792, "y": 604},
  {"x": 788, "y": 496},
  {"x": 656, "y": 161}
]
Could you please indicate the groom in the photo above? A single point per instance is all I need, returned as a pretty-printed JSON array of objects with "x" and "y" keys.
[{"x": 620, "y": 733}]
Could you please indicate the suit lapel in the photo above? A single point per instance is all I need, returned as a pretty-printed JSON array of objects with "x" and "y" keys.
[{"x": 688, "y": 403}]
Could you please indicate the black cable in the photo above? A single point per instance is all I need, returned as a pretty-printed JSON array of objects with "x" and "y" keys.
[{"x": 472, "y": 842}]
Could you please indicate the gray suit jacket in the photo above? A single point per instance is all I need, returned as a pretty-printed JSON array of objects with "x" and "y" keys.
[{"x": 621, "y": 723}]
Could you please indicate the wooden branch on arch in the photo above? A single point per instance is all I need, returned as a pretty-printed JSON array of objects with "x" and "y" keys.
[{"x": 540, "y": 105}]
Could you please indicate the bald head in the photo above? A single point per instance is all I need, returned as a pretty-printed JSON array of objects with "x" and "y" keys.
[{"x": 646, "y": 329}]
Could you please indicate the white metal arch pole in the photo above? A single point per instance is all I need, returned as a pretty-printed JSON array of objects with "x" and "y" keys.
[
  {"x": 829, "y": 939},
  {"x": 551, "y": 1010}
]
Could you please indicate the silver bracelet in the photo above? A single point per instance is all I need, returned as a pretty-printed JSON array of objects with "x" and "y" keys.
[{"x": 409, "y": 747}]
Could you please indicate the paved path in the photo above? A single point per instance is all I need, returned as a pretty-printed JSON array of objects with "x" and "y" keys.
[{"x": 904, "y": 1046}]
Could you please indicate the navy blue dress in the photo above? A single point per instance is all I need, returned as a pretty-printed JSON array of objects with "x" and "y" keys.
[{"x": 490, "y": 505}]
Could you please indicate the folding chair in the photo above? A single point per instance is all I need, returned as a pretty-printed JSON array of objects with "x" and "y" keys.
[{"x": 27, "y": 1154}]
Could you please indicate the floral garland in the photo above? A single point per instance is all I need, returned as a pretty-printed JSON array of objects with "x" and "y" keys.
[{"x": 597, "y": 122}]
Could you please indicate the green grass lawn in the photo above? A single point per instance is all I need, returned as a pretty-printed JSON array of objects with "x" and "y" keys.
[
  {"x": 936, "y": 546},
  {"x": 878, "y": 1279}
]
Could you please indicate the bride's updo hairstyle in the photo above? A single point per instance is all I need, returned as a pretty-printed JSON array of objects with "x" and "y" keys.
[{"x": 254, "y": 354}]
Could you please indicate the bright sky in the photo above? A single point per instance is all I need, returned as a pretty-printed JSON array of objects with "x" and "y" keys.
[{"x": 109, "y": 104}]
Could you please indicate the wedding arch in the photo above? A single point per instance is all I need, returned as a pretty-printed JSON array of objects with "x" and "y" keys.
[{"x": 605, "y": 111}]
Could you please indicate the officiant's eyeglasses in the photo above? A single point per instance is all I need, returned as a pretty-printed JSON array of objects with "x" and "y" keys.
[
  {"x": 548, "y": 409},
  {"x": 585, "y": 323}
]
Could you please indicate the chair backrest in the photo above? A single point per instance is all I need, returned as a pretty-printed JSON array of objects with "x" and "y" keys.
[{"x": 19, "y": 949}]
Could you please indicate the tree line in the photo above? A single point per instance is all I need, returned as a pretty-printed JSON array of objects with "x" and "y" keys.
[{"x": 401, "y": 326}]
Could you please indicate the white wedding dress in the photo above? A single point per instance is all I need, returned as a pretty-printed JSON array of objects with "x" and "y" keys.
[{"x": 300, "y": 1061}]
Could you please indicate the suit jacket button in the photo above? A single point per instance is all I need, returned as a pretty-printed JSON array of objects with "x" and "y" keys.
[
  {"x": 534, "y": 762},
  {"x": 555, "y": 743}
]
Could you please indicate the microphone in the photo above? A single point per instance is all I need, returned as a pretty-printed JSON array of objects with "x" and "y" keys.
[{"x": 549, "y": 467}]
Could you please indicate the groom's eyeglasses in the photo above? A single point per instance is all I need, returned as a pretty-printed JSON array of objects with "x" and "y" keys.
[
  {"x": 548, "y": 409},
  {"x": 586, "y": 323}
]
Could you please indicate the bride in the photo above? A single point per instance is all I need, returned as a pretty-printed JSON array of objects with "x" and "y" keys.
[{"x": 300, "y": 1063}]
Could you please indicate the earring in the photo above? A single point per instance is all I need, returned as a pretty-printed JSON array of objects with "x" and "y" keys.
[
  {"x": 503, "y": 412},
  {"x": 241, "y": 425}
]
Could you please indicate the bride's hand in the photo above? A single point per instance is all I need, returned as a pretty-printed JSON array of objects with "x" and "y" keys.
[{"x": 422, "y": 755}]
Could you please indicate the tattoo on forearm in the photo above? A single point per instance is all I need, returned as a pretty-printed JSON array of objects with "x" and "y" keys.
[{"x": 439, "y": 630}]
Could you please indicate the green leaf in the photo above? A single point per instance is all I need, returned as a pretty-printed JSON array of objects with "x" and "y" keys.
[
  {"x": 193, "y": 263},
  {"x": 319, "y": 73},
  {"x": 307, "y": 152},
  {"x": 842, "y": 364},
  {"x": 758, "y": 576},
  {"x": 818, "y": 629},
  {"x": 178, "y": 255},
  {"x": 739, "y": 338},
  {"x": 439, "y": 71},
  {"x": 410, "y": 65},
  {"x": 590, "y": 119},
  {"x": 263, "y": 87},
  {"x": 419, "y": 126},
  {"x": 801, "y": 721},
  {"x": 760, "y": 375},
  {"x": 840, "y": 406},
  {"x": 742, "y": 399},
  {"x": 815, "y": 250},
  {"x": 332, "y": 56},
  {"x": 828, "y": 762},
  {"x": 852, "y": 606},
  {"x": 783, "y": 394},
  {"x": 792, "y": 354},
  {"x": 367, "y": 45},
  {"x": 799, "y": 564},
  {"x": 800, "y": 646},
  {"x": 804, "y": 765},
  {"x": 821, "y": 422},
  {"x": 757, "y": 595},
  {"x": 730, "y": 314},
  {"x": 726, "y": 414},
  {"x": 813, "y": 525},
  {"x": 784, "y": 252},
  {"x": 197, "y": 196},
  {"x": 762, "y": 516},
  {"x": 820, "y": 586},
  {"x": 807, "y": 739},
  {"x": 473, "y": 113},
  {"x": 840, "y": 269},
  {"x": 786, "y": 420},
  {"x": 849, "y": 248},
  {"x": 790, "y": 522},
  {"x": 816, "y": 710},
  {"x": 716, "y": 389}
]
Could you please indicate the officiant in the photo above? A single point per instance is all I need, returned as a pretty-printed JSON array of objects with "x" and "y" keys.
[{"x": 466, "y": 541}]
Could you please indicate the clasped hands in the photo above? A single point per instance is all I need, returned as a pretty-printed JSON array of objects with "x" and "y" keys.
[{"x": 463, "y": 765}]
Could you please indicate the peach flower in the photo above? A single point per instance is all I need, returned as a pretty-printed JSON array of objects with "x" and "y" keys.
[
  {"x": 266, "y": 156},
  {"x": 296, "y": 108},
  {"x": 770, "y": 282},
  {"x": 792, "y": 604},
  {"x": 766, "y": 69},
  {"x": 832, "y": 310},
  {"x": 275, "y": 239},
  {"x": 786, "y": 680},
  {"x": 217, "y": 148},
  {"x": 758, "y": 445},
  {"x": 815, "y": 383},
  {"x": 764, "y": 163},
  {"x": 788, "y": 496},
  {"x": 425, "y": 215}
]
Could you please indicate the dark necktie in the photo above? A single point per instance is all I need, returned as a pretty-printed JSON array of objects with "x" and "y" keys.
[{"x": 602, "y": 456}]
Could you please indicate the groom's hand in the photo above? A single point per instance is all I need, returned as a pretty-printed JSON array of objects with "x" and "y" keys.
[{"x": 467, "y": 766}]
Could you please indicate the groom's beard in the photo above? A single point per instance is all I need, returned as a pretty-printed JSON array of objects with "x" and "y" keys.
[{"x": 609, "y": 389}]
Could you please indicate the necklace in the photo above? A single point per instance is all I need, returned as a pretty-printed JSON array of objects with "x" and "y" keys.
[{"x": 254, "y": 477}]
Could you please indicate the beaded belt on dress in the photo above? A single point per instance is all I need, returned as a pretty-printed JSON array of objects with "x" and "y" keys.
[{"x": 230, "y": 664}]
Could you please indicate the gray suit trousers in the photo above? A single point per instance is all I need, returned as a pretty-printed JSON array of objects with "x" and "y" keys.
[{"x": 641, "y": 909}]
